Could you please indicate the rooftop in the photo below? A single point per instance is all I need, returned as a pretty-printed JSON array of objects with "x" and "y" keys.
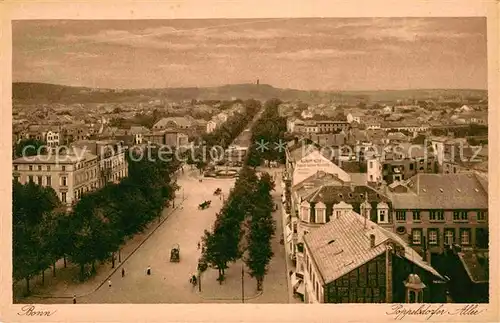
[
  {"x": 343, "y": 245},
  {"x": 442, "y": 191},
  {"x": 476, "y": 264}
]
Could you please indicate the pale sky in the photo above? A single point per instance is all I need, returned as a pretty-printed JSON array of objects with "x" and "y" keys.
[{"x": 306, "y": 54}]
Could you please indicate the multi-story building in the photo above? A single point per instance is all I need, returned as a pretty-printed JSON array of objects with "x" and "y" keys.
[
  {"x": 317, "y": 200},
  {"x": 353, "y": 260},
  {"x": 70, "y": 174},
  {"x": 110, "y": 156},
  {"x": 52, "y": 139},
  {"x": 317, "y": 126},
  {"x": 401, "y": 162},
  {"x": 436, "y": 211},
  {"x": 172, "y": 123}
]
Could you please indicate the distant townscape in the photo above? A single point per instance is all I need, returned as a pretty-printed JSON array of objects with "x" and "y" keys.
[{"x": 267, "y": 195}]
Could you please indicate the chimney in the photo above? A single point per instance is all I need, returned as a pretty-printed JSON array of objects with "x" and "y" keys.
[{"x": 372, "y": 240}]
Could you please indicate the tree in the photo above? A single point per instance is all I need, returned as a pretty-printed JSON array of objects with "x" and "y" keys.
[
  {"x": 29, "y": 147},
  {"x": 262, "y": 228},
  {"x": 32, "y": 252}
]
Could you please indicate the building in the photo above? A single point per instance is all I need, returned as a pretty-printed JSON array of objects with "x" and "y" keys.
[
  {"x": 52, "y": 139},
  {"x": 317, "y": 126},
  {"x": 172, "y": 123},
  {"x": 317, "y": 201},
  {"x": 211, "y": 126},
  {"x": 355, "y": 116},
  {"x": 353, "y": 260},
  {"x": 138, "y": 132},
  {"x": 110, "y": 154},
  {"x": 176, "y": 139},
  {"x": 70, "y": 174},
  {"x": 434, "y": 211},
  {"x": 401, "y": 162}
]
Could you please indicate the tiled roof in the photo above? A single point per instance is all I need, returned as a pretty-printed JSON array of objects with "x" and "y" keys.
[
  {"x": 138, "y": 130},
  {"x": 442, "y": 191},
  {"x": 332, "y": 194},
  {"x": 343, "y": 244}
]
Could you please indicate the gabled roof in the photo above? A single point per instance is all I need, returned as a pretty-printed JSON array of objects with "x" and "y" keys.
[
  {"x": 442, "y": 191},
  {"x": 343, "y": 244},
  {"x": 179, "y": 121}
]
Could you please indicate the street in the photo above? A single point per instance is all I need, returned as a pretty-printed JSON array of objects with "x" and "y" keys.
[{"x": 169, "y": 281}]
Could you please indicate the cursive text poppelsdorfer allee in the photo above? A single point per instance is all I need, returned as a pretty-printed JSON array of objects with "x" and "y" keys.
[
  {"x": 31, "y": 310},
  {"x": 400, "y": 311}
]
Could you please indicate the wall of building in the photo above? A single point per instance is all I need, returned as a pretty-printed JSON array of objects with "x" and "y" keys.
[
  {"x": 425, "y": 225},
  {"x": 365, "y": 284}
]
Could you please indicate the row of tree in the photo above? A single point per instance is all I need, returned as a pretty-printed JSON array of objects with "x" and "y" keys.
[
  {"x": 270, "y": 129},
  {"x": 243, "y": 229},
  {"x": 223, "y": 135},
  {"x": 96, "y": 227}
]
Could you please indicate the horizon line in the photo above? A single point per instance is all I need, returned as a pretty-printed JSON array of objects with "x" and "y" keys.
[{"x": 261, "y": 84}]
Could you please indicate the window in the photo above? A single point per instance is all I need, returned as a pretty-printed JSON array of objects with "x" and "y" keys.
[
  {"x": 63, "y": 181},
  {"x": 371, "y": 164},
  {"x": 416, "y": 215},
  {"x": 436, "y": 215},
  {"x": 40, "y": 180},
  {"x": 433, "y": 236},
  {"x": 481, "y": 215},
  {"x": 411, "y": 166},
  {"x": 63, "y": 168},
  {"x": 449, "y": 237},
  {"x": 31, "y": 167},
  {"x": 456, "y": 215},
  {"x": 382, "y": 217},
  {"x": 39, "y": 167},
  {"x": 48, "y": 168},
  {"x": 401, "y": 215},
  {"x": 16, "y": 167},
  {"x": 416, "y": 236},
  {"x": 49, "y": 180},
  {"x": 63, "y": 197},
  {"x": 465, "y": 236},
  {"x": 16, "y": 178},
  {"x": 460, "y": 215},
  {"x": 30, "y": 179}
]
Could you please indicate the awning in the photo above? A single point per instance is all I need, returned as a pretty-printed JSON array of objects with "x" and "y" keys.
[
  {"x": 301, "y": 289},
  {"x": 295, "y": 281}
]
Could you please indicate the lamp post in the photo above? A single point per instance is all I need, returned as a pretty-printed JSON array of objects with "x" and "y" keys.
[{"x": 242, "y": 284}]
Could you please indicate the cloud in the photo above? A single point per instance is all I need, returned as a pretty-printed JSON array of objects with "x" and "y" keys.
[
  {"x": 173, "y": 66},
  {"x": 311, "y": 54},
  {"x": 81, "y": 55}
]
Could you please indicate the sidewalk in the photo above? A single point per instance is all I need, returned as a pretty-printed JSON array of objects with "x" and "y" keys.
[
  {"x": 66, "y": 283},
  {"x": 231, "y": 287}
]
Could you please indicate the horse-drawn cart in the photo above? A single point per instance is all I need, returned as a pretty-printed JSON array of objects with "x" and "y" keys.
[
  {"x": 175, "y": 253},
  {"x": 204, "y": 205}
]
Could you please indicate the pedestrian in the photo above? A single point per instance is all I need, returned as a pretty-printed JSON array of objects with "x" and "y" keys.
[
  {"x": 148, "y": 271},
  {"x": 123, "y": 272},
  {"x": 109, "y": 283},
  {"x": 74, "y": 299},
  {"x": 199, "y": 245}
]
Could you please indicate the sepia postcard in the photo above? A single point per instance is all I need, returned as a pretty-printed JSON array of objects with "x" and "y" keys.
[{"x": 281, "y": 161}]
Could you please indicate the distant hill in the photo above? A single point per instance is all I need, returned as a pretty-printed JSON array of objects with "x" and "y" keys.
[{"x": 51, "y": 93}]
